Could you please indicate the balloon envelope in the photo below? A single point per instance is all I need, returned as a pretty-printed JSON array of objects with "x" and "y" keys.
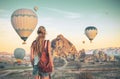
[
  {"x": 19, "y": 53},
  {"x": 83, "y": 42},
  {"x": 91, "y": 32},
  {"x": 24, "y": 22},
  {"x": 36, "y": 8}
]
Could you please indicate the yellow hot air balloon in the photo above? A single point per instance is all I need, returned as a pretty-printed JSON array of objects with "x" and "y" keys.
[
  {"x": 91, "y": 32},
  {"x": 24, "y": 22}
]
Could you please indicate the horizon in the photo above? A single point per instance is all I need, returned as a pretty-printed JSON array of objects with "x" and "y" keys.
[
  {"x": 70, "y": 20},
  {"x": 86, "y": 51}
]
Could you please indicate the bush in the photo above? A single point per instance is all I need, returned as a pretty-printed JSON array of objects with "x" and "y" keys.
[{"x": 2, "y": 66}]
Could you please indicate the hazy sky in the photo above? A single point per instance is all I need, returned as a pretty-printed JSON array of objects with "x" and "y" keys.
[{"x": 67, "y": 17}]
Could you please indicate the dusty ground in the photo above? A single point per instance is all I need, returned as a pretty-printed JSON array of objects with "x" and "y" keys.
[{"x": 71, "y": 71}]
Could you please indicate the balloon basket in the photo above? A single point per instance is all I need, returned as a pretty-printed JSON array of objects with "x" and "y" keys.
[
  {"x": 24, "y": 42},
  {"x": 90, "y": 41}
]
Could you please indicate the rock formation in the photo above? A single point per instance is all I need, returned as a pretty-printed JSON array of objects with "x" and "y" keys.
[{"x": 62, "y": 47}]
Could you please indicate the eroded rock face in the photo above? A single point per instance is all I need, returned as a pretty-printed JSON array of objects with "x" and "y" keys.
[{"x": 62, "y": 47}]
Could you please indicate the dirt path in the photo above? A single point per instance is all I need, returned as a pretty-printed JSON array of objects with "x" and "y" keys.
[{"x": 7, "y": 72}]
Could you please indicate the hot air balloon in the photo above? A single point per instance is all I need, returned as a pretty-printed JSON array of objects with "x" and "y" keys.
[
  {"x": 36, "y": 8},
  {"x": 24, "y": 22},
  {"x": 91, "y": 32},
  {"x": 83, "y": 42},
  {"x": 19, "y": 54}
]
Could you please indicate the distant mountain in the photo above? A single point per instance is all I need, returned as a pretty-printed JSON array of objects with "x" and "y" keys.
[
  {"x": 62, "y": 47},
  {"x": 5, "y": 53},
  {"x": 111, "y": 51}
]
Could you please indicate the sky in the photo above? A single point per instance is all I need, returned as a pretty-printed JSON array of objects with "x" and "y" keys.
[{"x": 66, "y": 17}]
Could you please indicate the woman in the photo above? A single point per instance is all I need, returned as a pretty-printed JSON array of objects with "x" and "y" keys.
[{"x": 36, "y": 50}]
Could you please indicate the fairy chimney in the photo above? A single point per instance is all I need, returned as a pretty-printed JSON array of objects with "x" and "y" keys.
[{"x": 62, "y": 47}]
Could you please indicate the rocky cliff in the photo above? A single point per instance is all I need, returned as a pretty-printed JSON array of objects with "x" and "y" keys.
[{"x": 62, "y": 47}]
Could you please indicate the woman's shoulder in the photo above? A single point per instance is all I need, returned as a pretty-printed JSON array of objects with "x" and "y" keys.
[
  {"x": 47, "y": 40},
  {"x": 34, "y": 42}
]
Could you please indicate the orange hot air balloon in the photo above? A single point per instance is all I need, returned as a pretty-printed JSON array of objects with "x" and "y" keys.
[{"x": 24, "y": 22}]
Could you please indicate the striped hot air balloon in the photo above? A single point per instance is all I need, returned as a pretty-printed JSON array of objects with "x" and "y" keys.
[
  {"x": 91, "y": 32},
  {"x": 24, "y": 22}
]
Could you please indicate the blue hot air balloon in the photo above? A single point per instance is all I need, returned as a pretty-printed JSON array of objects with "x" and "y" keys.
[{"x": 19, "y": 53}]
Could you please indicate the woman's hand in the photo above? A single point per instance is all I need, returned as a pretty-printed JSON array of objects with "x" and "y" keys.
[
  {"x": 32, "y": 62},
  {"x": 52, "y": 68}
]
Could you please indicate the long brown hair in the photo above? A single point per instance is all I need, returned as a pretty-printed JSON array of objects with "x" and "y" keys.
[{"x": 38, "y": 44}]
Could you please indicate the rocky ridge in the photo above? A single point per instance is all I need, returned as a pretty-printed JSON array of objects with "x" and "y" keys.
[{"x": 62, "y": 47}]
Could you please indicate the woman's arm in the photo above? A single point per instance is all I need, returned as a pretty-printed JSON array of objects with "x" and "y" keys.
[
  {"x": 31, "y": 55},
  {"x": 50, "y": 54}
]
